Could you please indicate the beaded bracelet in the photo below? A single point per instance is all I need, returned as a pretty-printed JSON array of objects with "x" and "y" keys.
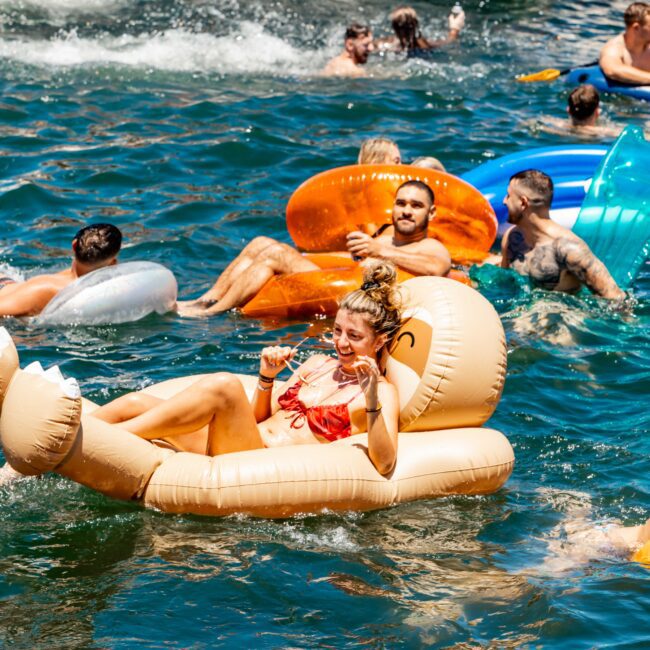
[{"x": 260, "y": 387}]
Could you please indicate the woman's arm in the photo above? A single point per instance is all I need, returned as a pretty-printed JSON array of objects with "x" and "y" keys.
[
  {"x": 382, "y": 419},
  {"x": 382, "y": 415}
]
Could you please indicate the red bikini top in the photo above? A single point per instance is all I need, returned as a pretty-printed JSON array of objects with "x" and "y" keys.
[{"x": 331, "y": 421}]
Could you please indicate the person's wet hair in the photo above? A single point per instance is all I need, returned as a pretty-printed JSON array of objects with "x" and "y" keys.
[
  {"x": 637, "y": 12},
  {"x": 356, "y": 30},
  {"x": 583, "y": 102},
  {"x": 421, "y": 185},
  {"x": 375, "y": 151},
  {"x": 97, "y": 243},
  {"x": 377, "y": 298},
  {"x": 406, "y": 27},
  {"x": 538, "y": 183},
  {"x": 429, "y": 162}
]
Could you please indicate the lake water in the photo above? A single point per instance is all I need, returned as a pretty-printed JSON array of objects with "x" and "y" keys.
[{"x": 189, "y": 124}]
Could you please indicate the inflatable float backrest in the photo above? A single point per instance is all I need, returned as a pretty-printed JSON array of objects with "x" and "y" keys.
[
  {"x": 113, "y": 294},
  {"x": 325, "y": 208},
  {"x": 448, "y": 360}
]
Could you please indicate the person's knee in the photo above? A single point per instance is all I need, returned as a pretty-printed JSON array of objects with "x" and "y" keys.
[
  {"x": 223, "y": 389},
  {"x": 276, "y": 254},
  {"x": 134, "y": 403},
  {"x": 258, "y": 245}
]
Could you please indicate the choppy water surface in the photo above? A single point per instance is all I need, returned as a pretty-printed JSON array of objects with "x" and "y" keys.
[{"x": 189, "y": 124}]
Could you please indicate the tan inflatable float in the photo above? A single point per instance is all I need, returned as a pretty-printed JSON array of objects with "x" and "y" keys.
[{"x": 448, "y": 363}]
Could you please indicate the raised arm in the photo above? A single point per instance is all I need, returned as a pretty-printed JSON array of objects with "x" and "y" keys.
[
  {"x": 28, "y": 298},
  {"x": 382, "y": 415},
  {"x": 614, "y": 67},
  {"x": 577, "y": 258}
]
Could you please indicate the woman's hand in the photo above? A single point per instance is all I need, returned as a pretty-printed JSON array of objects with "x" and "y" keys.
[
  {"x": 272, "y": 359},
  {"x": 368, "y": 375}
]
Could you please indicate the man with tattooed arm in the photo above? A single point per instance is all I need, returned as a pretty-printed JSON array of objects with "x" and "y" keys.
[{"x": 550, "y": 254}]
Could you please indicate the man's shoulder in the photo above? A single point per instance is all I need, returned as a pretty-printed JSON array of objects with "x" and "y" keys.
[{"x": 615, "y": 47}]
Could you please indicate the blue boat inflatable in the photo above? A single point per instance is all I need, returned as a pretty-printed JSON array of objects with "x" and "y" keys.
[
  {"x": 571, "y": 168},
  {"x": 594, "y": 75},
  {"x": 615, "y": 216}
]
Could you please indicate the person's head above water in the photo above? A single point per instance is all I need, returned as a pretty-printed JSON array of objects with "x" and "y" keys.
[
  {"x": 97, "y": 245},
  {"x": 413, "y": 209},
  {"x": 379, "y": 151},
  {"x": 358, "y": 42},
  {"x": 406, "y": 27},
  {"x": 429, "y": 162},
  {"x": 637, "y": 12},
  {"x": 583, "y": 105},
  {"x": 528, "y": 190},
  {"x": 370, "y": 316}
]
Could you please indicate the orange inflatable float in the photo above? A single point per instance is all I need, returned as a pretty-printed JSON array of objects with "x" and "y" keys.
[
  {"x": 298, "y": 295},
  {"x": 325, "y": 208}
]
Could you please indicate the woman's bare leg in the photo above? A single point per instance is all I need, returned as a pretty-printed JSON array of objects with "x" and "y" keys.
[
  {"x": 126, "y": 407},
  {"x": 218, "y": 401}
]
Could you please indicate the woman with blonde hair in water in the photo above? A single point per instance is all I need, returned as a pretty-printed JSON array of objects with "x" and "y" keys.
[{"x": 325, "y": 399}]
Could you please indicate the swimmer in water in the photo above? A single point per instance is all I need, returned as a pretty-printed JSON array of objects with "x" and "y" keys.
[
  {"x": 405, "y": 243},
  {"x": 408, "y": 37},
  {"x": 93, "y": 247},
  {"x": 325, "y": 399},
  {"x": 626, "y": 58},
  {"x": 357, "y": 46},
  {"x": 379, "y": 151},
  {"x": 551, "y": 255},
  {"x": 429, "y": 162},
  {"x": 583, "y": 108}
]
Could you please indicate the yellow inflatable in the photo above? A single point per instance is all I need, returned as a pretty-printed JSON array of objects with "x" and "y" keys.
[{"x": 448, "y": 363}]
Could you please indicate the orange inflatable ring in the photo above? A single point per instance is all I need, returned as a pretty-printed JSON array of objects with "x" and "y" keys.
[
  {"x": 300, "y": 295},
  {"x": 325, "y": 208}
]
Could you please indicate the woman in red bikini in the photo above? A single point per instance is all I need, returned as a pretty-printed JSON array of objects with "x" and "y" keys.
[{"x": 326, "y": 398}]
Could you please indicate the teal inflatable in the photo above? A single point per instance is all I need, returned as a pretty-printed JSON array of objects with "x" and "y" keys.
[
  {"x": 615, "y": 216},
  {"x": 594, "y": 75}
]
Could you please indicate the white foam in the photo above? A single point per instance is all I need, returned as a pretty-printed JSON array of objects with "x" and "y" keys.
[
  {"x": 249, "y": 49},
  {"x": 54, "y": 7},
  {"x": 69, "y": 387}
]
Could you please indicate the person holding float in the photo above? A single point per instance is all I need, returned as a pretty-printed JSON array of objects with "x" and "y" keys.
[
  {"x": 93, "y": 247},
  {"x": 327, "y": 398}
]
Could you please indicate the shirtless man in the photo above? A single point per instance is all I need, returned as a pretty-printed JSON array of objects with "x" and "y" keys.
[
  {"x": 626, "y": 57},
  {"x": 550, "y": 254},
  {"x": 356, "y": 49},
  {"x": 93, "y": 247},
  {"x": 583, "y": 107},
  {"x": 405, "y": 243}
]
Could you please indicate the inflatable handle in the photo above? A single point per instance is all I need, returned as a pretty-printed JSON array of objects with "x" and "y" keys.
[{"x": 114, "y": 294}]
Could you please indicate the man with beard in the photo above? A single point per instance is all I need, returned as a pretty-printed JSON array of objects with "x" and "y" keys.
[
  {"x": 405, "y": 243},
  {"x": 357, "y": 46},
  {"x": 550, "y": 254}
]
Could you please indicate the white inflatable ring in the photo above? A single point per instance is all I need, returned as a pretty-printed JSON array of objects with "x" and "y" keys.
[
  {"x": 448, "y": 364},
  {"x": 114, "y": 294}
]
